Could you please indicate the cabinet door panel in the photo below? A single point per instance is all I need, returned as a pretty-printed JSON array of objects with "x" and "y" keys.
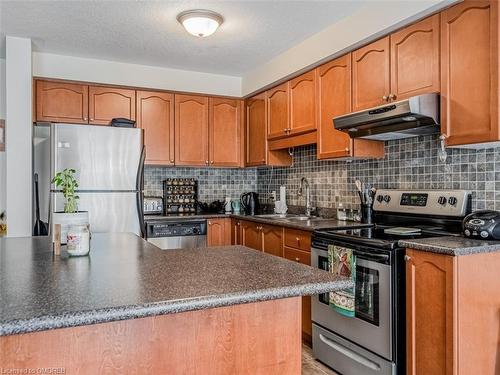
[
  {"x": 272, "y": 240},
  {"x": 218, "y": 232},
  {"x": 256, "y": 143},
  {"x": 106, "y": 103},
  {"x": 334, "y": 99},
  {"x": 469, "y": 72},
  {"x": 278, "y": 121},
  {"x": 430, "y": 320},
  {"x": 303, "y": 103},
  {"x": 251, "y": 235},
  {"x": 191, "y": 130},
  {"x": 155, "y": 114},
  {"x": 415, "y": 59},
  {"x": 370, "y": 75},
  {"x": 235, "y": 232},
  {"x": 304, "y": 258},
  {"x": 225, "y": 132},
  {"x": 62, "y": 102}
]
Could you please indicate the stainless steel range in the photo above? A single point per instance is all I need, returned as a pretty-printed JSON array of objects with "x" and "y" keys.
[{"x": 373, "y": 341}]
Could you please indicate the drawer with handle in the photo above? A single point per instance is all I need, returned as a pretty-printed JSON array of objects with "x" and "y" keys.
[
  {"x": 298, "y": 239},
  {"x": 298, "y": 256}
]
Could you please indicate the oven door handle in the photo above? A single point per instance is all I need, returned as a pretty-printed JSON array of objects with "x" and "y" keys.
[
  {"x": 373, "y": 257},
  {"x": 349, "y": 353}
]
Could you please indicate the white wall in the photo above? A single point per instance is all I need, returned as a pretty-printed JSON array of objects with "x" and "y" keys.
[
  {"x": 368, "y": 23},
  {"x": 2, "y": 153},
  {"x": 101, "y": 71},
  {"x": 18, "y": 125}
]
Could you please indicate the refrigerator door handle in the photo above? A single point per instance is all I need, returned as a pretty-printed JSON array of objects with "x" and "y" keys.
[{"x": 139, "y": 186}]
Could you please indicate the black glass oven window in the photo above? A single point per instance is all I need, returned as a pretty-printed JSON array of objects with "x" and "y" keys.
[
  {"x": 323, "y": 265},
  {"x": 367, "y": 295}
]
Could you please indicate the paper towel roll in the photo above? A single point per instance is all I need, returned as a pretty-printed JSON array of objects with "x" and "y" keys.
[{"x": 283, "y": 194}]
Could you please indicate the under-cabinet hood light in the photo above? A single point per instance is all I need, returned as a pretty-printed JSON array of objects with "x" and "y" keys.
[{"x": 200, "y": 22}]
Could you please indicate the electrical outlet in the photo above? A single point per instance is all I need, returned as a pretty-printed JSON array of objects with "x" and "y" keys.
[{"x": 273, "y": 195}]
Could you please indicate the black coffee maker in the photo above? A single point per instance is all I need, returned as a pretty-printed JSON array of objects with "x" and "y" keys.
[{"x": 250, "y": 202}]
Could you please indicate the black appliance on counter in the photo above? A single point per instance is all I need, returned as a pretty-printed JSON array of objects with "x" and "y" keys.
[
  {"x": 484, "y": 225},
  {"x": 250, "y": 202},
  {"x": 373, "y": 341}
]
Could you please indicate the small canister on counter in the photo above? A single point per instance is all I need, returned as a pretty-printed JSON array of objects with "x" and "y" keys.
[{"x": 78, "y": 240}]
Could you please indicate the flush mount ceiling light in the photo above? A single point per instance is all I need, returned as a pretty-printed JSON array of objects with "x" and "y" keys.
[{"x": 200, "y": 22}]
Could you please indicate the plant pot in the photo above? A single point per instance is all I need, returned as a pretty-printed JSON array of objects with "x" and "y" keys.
[{"x": 67, "y": 220}]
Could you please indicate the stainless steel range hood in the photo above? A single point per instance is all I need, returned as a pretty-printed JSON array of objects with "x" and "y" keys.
[{"x": 417, "y": 115}]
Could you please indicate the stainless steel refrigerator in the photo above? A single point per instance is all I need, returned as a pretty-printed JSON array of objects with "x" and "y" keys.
[{"x": 109, "y": 164}]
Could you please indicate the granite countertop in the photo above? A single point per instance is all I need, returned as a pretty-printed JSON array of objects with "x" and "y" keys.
[
  {"x": 125, "y": 277},
  {"x": 307, "y": 225},
  {"x": 451, "y": 245}
]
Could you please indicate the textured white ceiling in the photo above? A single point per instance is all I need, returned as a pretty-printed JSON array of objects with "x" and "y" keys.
[{"x": 147, "y": 32}]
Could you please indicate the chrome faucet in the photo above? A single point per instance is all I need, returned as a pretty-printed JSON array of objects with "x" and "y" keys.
[{"x": 309, "y": 207}]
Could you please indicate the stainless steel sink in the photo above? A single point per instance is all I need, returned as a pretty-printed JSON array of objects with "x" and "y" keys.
[{"x": 299, "y": 218}]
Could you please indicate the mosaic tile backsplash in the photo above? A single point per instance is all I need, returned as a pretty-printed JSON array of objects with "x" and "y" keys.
[
  {"x": 213, "y": 183},
  {"x": 410, "y": 163}
]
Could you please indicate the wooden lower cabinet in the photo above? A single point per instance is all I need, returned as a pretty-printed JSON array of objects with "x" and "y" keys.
[
  {"x": 272, "y": 239},
  {"x": 251, "y": 235},
  {"x": 219, "y": 232},
  {"x": 453, "y": 313},
  {"x": 303, "y": 257},
  {"x": 235, "y": 232}
]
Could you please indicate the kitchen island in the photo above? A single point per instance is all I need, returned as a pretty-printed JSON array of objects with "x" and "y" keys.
[{"x": 132, "y": 308}]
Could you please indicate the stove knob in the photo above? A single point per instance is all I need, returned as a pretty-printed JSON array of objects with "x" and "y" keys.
[
  {"x": 484, "y": 234},
  {"x": 387, "y": 198},
  {"x": 380, "y": 198},
  {"x": 452, "y": 201},
  {"x": 442, "y": 201},
  {"x": 467, "y": 232},
  {"x": 196, "y": 230}
]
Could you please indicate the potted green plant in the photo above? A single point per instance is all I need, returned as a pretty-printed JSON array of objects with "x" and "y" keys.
[{"x": 66, "y": 181}]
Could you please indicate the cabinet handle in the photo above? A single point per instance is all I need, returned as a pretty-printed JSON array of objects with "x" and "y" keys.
[
  {"x": 347, "y": 149},
  {"x": 385, "y": 98},
  {"x": 172, "y": 161},
  {"x": 85, "y": 119},
  {"x": 91, "y": 119},
  {"x": 206, "y": 162},
  {"x": 209, "y": 223},
  {"x": 392, "y": 96},
  {"x": 297, "y": 259},
  {"x": 238, "y": 223},
  {"x": 407, "y": 258},
  {"x": 212, "y": 162},
  {"x": 298, "y": 239},
  {"x": 285, "y": 130}
]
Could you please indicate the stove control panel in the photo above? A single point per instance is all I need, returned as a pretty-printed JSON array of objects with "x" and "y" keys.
[{"x": 425, "y": 202}]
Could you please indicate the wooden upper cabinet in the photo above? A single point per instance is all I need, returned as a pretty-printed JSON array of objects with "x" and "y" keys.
[
  {"x": 334, "y": 99},
  {"x": 107, "y": 103},
  {"x": 155, "y": 114},
  {"x": 415, "y": 59},
  {"x": 225, "y": 132},
  {"x": 469, "y": 72},
  {"x": 303, "y": 103},
  {"x": 430, "y": 280},
  {"x": 191, "y": 130},
  {"x": 256, "y": 134},
  {"x": 61, "y": 102},
  {"x": 371, "y": 75},
  {"x": 278, "y": 120},
  {"x": 272, "y": 239}
]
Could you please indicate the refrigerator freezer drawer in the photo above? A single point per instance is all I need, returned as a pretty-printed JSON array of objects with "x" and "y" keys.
[
  {"x": 347, "y": 358},
  {"x": 108, "y": 212}
]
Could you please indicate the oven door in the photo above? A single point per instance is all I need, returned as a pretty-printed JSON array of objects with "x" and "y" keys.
[{"x": 372, "y": 325}]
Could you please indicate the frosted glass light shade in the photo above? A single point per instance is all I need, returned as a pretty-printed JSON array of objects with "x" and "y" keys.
[{"x": 200, "y": 22}]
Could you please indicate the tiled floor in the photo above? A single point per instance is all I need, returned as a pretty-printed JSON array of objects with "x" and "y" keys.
[{"x": 312, "y": 367}]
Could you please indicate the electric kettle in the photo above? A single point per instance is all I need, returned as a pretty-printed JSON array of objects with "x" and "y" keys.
[{"x": 250, "y": 202}]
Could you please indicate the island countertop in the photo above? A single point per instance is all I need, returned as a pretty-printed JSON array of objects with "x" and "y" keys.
[{"x": 125, "y": 277}]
